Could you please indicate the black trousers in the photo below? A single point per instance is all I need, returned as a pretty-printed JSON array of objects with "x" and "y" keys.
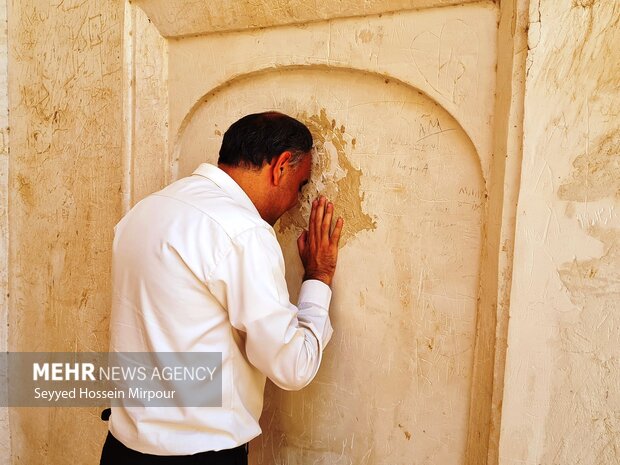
[{"x": 116, "y": 453}]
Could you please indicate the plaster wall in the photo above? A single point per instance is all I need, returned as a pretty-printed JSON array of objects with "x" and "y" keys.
[
  {"x": 64, "y": 183},
  {"x": 561, "y": 398},
  {"x": 438, "y": 66},
  {"x": 396, "y": 379},
  {"x": 104, "y": 110},
  {"x": 5, "y": 443},
  {"x": 178, "y": 18},
  {"x": 401, "y": 108}
]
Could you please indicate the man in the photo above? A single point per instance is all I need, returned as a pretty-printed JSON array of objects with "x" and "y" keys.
[{"x": 196, "y": 267}]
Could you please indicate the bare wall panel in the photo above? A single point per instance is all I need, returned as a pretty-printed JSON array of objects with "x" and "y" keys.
[{"x": 64, "y": 181}]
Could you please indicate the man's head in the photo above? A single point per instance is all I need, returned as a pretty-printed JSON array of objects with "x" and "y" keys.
[
  {"x": 256, "y": 139},
  {"x": 269, "y": 155}
]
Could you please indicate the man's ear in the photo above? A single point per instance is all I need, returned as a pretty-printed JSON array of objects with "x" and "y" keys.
[{"x": 280, "y": 167}]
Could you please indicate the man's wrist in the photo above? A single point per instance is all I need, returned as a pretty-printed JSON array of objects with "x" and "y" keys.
[{"x": 319, "y": 277}]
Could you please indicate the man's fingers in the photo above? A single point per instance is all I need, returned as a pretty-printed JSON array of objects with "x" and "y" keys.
[
  {"x": 301, "y": 242},
  {"x": 318, "y": 219},
  {"x": 311, "y": 229},
  {"x": 327, "y": 222},
  {"x": 335, "y": 237},
  {"x": 321, "y": 247}
]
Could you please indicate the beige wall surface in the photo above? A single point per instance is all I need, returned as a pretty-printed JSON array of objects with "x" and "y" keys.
[
  {"x": 395, "y": 381},
  {"x": 561, "y": 400},
  {"x": 93, "y": 130},
  {"x": 64, "y": 180},
  {"x": 175, "y": 18},
  {"x": 400, "y": 106},
  {"x": 5, "y": 443}
]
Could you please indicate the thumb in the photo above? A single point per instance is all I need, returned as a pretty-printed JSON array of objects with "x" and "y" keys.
[{"x": 301, "y": 242}]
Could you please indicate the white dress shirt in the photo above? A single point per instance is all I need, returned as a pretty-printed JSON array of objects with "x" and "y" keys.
[{"x": 196, "y": 269}]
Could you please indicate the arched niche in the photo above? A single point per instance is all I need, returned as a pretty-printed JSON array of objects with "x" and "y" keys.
[{"x": 395, "y": 382}]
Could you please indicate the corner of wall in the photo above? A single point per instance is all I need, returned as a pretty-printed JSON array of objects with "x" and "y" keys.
[{"x": 496, "y": 278}]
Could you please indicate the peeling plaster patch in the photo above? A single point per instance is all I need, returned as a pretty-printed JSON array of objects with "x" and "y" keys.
[
  {"x": 333, "y": 176},
  {"x": 564, "y": 310},
  {"x": 596, "y": 173},
  {"x": 598, "y": 276},
  {"x": 586, "y": 411},
  {"x": 586, "y": 406}
]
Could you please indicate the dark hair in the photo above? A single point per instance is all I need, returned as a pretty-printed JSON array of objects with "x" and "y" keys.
[{"x": 256, "y": 139}]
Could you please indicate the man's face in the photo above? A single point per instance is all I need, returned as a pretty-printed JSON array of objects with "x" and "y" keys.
[{"x": 292, "y": 184}]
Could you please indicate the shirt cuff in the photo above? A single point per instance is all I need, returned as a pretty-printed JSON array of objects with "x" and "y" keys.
[{"x": 315, "y": 292}]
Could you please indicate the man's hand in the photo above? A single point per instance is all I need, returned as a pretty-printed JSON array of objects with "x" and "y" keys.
[{"x": 318, "y": 248}]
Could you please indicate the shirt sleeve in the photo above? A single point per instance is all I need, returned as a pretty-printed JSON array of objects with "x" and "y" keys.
[{"x": 284, "y": 341}]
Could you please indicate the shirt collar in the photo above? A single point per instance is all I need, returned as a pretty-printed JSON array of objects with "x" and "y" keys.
[{"x": 226, "y": 183}]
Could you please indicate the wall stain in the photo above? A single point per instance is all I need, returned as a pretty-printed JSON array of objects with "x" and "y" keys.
[
  {"x": 24, "y": 188},
  {"x": 590, "y": 348},
  {"x": 596, "y": 278},
  {"x": 365, "y": 36},
  {"x": 405, "y": 432},
  {"x": 588, "y": 48},
  {"x": 584, "y": 3},
  {"x": 596, "y": 173},
  {"x": 334, "y": 176},
  {"x": 581, "y": 82}
]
